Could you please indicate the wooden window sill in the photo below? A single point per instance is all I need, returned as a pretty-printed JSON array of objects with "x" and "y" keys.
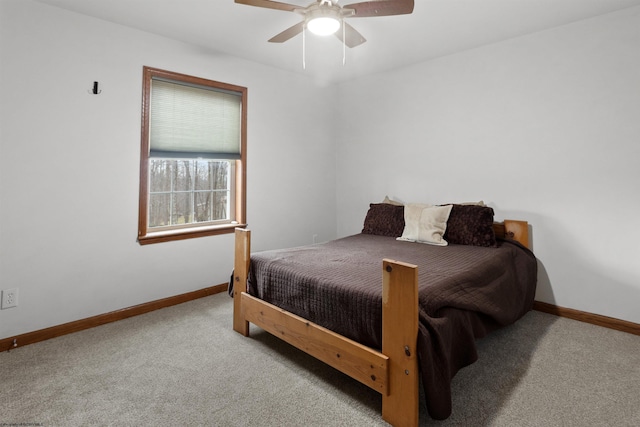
[{"x": 187, "y": 233}]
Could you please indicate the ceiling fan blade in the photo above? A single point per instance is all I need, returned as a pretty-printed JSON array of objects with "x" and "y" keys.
[
  {"x": 269, "y": 4},
  {"x": 381, "y": 8},
  {"x": 352, "y": 36},
  {"x": 288, "y": 33}
]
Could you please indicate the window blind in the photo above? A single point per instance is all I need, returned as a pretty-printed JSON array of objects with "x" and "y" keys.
[{"x": 193, "y": 122}]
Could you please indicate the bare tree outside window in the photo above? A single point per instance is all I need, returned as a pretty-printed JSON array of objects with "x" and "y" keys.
[{"x": 188, "y": 191}]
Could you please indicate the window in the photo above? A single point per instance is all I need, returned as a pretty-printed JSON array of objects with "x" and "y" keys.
[
  {"x": 186, "y": 192},
  {"x": 193, "y": 157}
]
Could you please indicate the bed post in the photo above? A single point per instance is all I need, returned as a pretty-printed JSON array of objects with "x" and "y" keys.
[
  {"x": 517, "y": 230},
  {"x": 399, "y": 342},
  {"x": 513, "y": 230},
  {"x": 240, "y": 273}
]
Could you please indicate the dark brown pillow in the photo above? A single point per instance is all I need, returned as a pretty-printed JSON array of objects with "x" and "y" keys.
[
  {"x": 384, "y": 219},
  {"x": 470, "y": 225}
]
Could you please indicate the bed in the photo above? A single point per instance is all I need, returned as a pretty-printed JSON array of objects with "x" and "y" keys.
[{"x": 420, "y": 323}]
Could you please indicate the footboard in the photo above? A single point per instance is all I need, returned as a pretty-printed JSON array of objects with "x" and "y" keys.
[{"x": 392, "y": 372}]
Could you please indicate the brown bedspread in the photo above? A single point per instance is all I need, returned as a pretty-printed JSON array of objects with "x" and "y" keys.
[{"x": 464, "y": 292}]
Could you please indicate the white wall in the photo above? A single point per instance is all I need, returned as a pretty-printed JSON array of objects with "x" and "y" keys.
[
  {"x": 544, "y": 128},
  {"x": 69, "y": 166}
]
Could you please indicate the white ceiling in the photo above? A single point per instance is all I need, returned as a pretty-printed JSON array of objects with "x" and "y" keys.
[{"x": 436, "y": 28}]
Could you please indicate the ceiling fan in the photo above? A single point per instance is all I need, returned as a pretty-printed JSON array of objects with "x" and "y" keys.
[{"x": 325, "y": 17}]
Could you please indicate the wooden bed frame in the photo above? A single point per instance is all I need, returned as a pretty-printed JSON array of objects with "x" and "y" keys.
[{"x": 393, "y": 372}]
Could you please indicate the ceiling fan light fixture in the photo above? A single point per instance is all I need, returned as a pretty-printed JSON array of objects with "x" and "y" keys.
[
  {"x": 323, "y": 25},
  {"x": 323, "y": 21}
]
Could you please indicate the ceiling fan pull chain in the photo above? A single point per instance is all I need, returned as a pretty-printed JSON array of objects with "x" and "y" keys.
[
  {"x": 304, "y": 49},
  {"x": 344, "y": 44}
]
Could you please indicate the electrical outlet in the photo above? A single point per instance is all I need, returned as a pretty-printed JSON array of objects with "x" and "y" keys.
[{"x": 9, "y": 298}]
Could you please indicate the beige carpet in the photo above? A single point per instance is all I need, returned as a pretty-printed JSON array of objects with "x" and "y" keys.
[{"x": 184, "y": 366}]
